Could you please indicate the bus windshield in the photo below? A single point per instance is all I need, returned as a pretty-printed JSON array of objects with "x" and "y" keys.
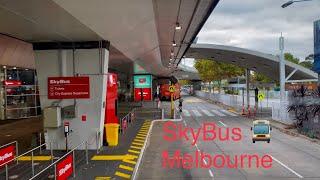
[{"x": 261, "y": 129}]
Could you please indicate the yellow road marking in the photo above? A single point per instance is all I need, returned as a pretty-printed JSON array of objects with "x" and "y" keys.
[
  {"x": 129, "y": 161},
  {"x": 136, "y": 147},
  {"x": 143, "y": 131},
  {"x": 123, "y": 175},
  {"x": 111, "y": 157},
  {"x": 138, "y": 140},
  {"x": 102, "y": 178},
  {"x": 126, "y": 167},
  {"x": 136, "y": 143},
  {"x": 141, "y": 137},
  {"x": 35, "y": 158},
  {"x": 134, "y": 151}
]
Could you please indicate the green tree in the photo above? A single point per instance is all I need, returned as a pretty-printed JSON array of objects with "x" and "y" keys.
[
  {"x": 183, "y": 82},
  {"x": 210, "y": 70},
  {"x": 291, "y": 58},
  {"x": 306, "y": 64},
  {"x": 258, "y": 77}
]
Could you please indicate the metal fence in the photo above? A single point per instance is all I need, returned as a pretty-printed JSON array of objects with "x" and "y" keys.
[
  {"x": 10, "y": 165},
  {"x": 236, "y": 102},
  {"x": 50, "y": 171},
  {"x": 126, "y": 121}
]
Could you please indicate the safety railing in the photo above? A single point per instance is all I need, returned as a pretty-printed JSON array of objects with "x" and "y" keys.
[
  {"x": 126, "y": 120},
  {"x": 68, "y": 158},
  {"x": 17, "y": 157}
]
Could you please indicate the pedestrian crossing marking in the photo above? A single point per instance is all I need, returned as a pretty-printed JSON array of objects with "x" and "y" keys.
[
  {"x": 217, "y": 112},
  {"x": 228, "y": 112},
  {"x": 207, "y": 112},
  {"x": 186, "y": 113},
  {"x": 196, "y": 113}
]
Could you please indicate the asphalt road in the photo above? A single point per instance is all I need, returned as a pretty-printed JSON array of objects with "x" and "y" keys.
[{"x": 293, "y": 157}]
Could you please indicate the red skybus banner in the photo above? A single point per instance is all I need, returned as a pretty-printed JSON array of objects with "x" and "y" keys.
[
  {"x": 7, "y": 154},
  {"x": 64, "y": 168}
]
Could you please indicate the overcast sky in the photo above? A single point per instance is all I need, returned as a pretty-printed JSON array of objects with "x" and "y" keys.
[{"x": 257, "y": 24}]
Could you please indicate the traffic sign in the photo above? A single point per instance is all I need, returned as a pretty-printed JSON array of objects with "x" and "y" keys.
[
  {"x": 261, "y": 96},
  {"x": 172, "y": 89}
]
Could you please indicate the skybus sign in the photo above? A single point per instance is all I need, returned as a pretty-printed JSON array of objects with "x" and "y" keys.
[
  {"x": 7, "y": 154},
  {"x": 64, "y": 168},
  {"x": 316, "y": 64}
]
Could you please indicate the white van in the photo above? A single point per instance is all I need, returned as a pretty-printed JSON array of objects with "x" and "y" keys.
[{"x": 261, "y": 131}]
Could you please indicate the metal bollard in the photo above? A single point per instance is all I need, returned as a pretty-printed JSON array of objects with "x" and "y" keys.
[
  {"x": 32, "y": 166},
  {"x": 51, "y": 152},
  {"x": 40, "y": 143},
  {"x": 55, "y": 171},
  {"x": 87, "y": 153},
  {"x": 74, "y": 164},
  {"x": 7, "y": 173},
  {"x": 97, "y": 141},
  {"x": 17, "y": 153}
]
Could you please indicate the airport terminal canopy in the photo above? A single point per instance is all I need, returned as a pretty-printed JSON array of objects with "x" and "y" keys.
[
  {"x": 266, "y": 64},
  {"x": 148, "y": 32}
]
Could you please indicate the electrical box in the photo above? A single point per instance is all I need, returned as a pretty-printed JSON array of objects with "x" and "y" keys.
[
  {"x": 69, "y": 112},
  {"x": 52, "y": 117}
]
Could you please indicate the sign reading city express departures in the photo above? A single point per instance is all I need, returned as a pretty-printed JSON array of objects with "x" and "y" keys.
[
  {"x": 316, "y": 64},
  {"x": 68, "y": 88},
  {"x": 142, "y": 81}
]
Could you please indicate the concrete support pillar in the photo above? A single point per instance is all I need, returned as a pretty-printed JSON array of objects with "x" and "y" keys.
[
  {"x": 69, "y": 59},
  {"x": 248, "y": 87}
]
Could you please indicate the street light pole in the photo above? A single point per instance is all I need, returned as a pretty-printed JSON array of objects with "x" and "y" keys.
[
  {"x": 282, "y": 75},
  {"x": 291, "y": 2}
]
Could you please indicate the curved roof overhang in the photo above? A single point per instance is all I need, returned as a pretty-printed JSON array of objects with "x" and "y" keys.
[{"x": 266, "y": 64}]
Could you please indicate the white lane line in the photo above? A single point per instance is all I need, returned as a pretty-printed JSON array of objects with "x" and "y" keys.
[
  {"x": 210, "y": 172},
  {"x": 217, "y": 112},
  {"x": 196, "y": 113},
  {"x": 207, "y": 112},
  {"x": 186, "y": 113},
  {"x": 205, "y": 162},
  {"x": 223, "y": 124},
  {"x": 297, "y": 174},
  {"x": 228, "y": 112},
  {"x": 184, "y": 122}
]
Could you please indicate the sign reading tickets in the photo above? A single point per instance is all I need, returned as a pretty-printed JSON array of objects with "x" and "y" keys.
[
  {"x": 64, "y": 168},
  {"x": 68, "y": 88},
  {"x": 142, "y": 81},
  {"x": 316, "y": 64},
  {"x": 7, "y": 154}
]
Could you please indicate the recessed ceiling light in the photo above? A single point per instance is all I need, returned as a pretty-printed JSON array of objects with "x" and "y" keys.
[
  {"x": 174, "y": 43},
  {"x": 4, "y": 67},
  {"x": 14, "y": 67},
  {"x": 178, "y": 27},
  {"x": 172, "y": 53}
]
